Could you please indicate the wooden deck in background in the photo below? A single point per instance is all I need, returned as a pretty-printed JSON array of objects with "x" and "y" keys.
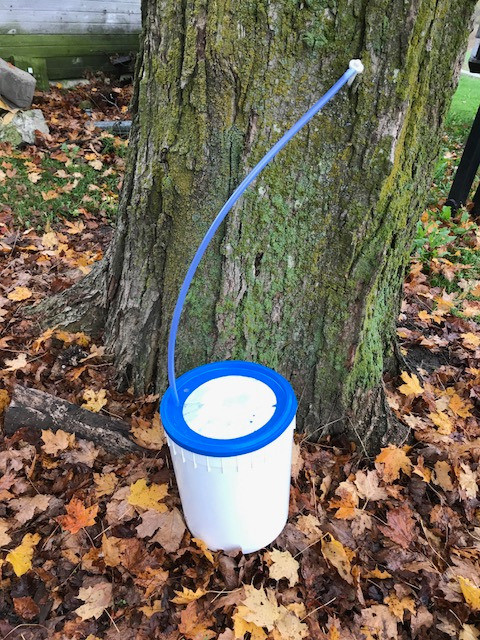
[{"x": 65, "y": 38}]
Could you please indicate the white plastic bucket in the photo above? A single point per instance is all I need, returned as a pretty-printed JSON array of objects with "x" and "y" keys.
[{"x": 230, "y": 438}]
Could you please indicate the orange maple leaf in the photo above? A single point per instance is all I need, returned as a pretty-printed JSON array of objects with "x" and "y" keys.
[
  {"x": 78, "y": 516},
  {"x": 394, "y": 460}
]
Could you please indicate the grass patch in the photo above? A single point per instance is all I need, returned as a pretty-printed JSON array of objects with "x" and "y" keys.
[
  {"x": 39, "y": 188},
  {"x": 465, "y": 102}
]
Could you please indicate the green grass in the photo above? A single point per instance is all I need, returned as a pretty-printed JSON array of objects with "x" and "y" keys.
[
  {"x": 465, "y": 102},
  {"x": 82, "y": 188}
]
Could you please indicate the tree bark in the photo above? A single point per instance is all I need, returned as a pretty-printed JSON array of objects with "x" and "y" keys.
[{"x": 305, "y": 275}]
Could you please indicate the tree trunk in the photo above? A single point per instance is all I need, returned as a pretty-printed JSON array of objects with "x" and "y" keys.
[{"x": 305, "y": 275}]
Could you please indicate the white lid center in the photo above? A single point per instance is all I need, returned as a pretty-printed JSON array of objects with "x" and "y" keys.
[{"x": 229, "y": 407}]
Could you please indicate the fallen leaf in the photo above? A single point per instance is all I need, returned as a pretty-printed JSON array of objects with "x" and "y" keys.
[
  {"x": 94, "y": 400},
  {"x": 297, "y": 460},
  {"x": 20, "y": 362},
  {"x": 26, "y": 507},
  {"x": 421, "y": 470},
  {"x": 85, "y": 452},
  {"x": 422, "y": 618},
  {"x": 347, "y": 501},
  {"x": 4, "y": 400},
  {"x": 92, "y": 560},
  {"x": 49, "y": 195},
  {"x": 26, "y": 607},
  {"x": 241, "y": 627},
  {"x": 289, "y": 627},
  {"x": 194, "y": 626},
  {"x": 57, "y": 441},
  {"x": 259, "y": 609},
  {"x": 412, "y": 386},
  {"x": 442, "y": 421},
  {"x": 378, "y": 574},
  {"x": 398, "y": 606},
  {"x": 111, "y": 551},
  {"x": 187, "y": 595},
  {"x": 150, "y": 610},
  {"x": 424, "y": 316},
  {"x": 259, "y": 606},
  {"x": 118, "y": 508},
  {"x": 96, "y": 164},
  {"x": 400, "y": 526},
  {"x": 380, "y": 621},
  {"x": 34, "y": 177},
  {"x": 367, "y": 483},
  {"x": 49, "y": 241},
  {"x": 460, "y": 407},
  {"x": 148, "y": 434},
  {"x": 79, "y": 338},
  {"x": 171, "y": 530},
  {"x": 310, "y": 526},
  {"x": 467, "y": 479},
  {"x": 204, "y": 549},
  {"x": 470, "y": 340},
  {"x": 21, "y": 557},
  {"x": 394, "y": 459},
  {"x": 471, "y": 593},
  {"x": 338, "y": 556},
  {"x": 151, "y": 521},
  {"x": 362, "y": 522},
  {"x": 152, "y": 580},
  {"x": 148, "y": 497},
  {"x": 19, "y": 294},
  {"x": 74, "y": 227},
  {"x": 96, "y": 599},
  {"x": 78, "y": 516},
  {"x": 469, "y": 632},
  {"x": 298, "y": 609},
  {"x": 333, "y": 631},
  {"x": 105, "y": 484},
  {"x": 441, "y": 475},
  {"x": 282, "y": 565},
  {"x": 4, "y": 537}
]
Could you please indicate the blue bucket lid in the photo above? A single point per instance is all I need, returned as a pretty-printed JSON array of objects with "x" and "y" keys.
[{"x": 280, "y": 414}]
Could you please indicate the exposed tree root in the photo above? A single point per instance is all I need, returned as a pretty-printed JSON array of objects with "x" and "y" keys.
[
  {"x": 373, "y": 424},
  {"x": 82, "y": 307}
]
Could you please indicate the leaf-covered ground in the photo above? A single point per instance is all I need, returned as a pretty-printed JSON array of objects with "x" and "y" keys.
[{"x": 94, "y": 546}]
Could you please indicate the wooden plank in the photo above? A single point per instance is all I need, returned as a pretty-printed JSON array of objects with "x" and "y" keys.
[
  {"x": 74, "y": 28},
  {"x": 63, "y": 8},
  {"x": 39, "y": 410},
  {"x": 68, "y": 22},
  {"x": 49, "y": 46},
  {"x": 60, "y": 39},
  {"x": 71, "y": 5},
  {"x": 61, "y": 14}
]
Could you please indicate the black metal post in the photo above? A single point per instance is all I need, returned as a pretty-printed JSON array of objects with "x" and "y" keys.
[
  {"x": 476, "y": 202},
  {"x": 467, "y": 168}
]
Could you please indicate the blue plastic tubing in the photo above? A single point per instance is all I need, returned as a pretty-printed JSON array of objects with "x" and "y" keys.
[{"x": 226, "y": 208}]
